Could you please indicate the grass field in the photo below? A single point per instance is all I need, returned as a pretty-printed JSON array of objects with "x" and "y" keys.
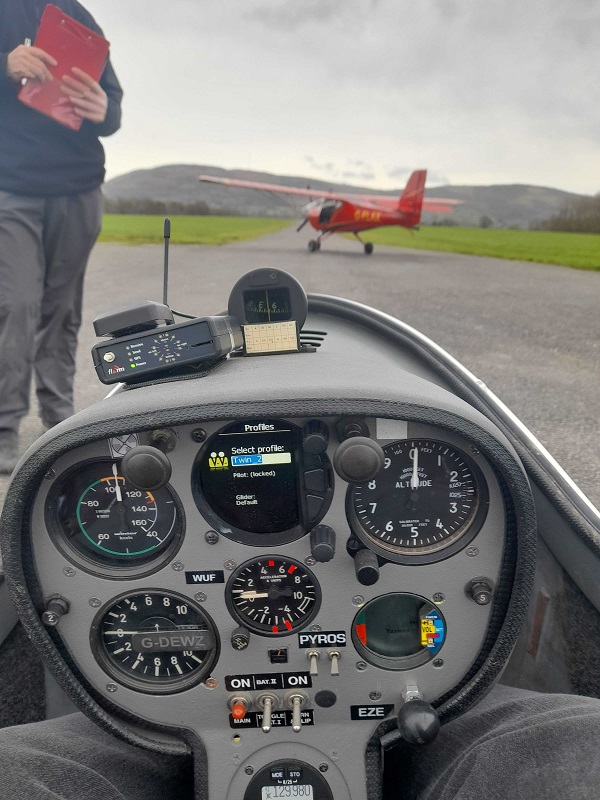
[
  {"x": 568, "y": 249},
  {"x": 134, "y": 229}
]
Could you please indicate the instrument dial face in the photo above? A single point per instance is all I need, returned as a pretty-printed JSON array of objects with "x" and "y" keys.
[
  {"x": 110, "y": 521},
  {"x": 167, "y": 348},
  {"x": 155, "y": 641},
  {"x": 398, "y": 631},
  {"x": 273, "y": 596},
  {"x": 422, "y": 504}
]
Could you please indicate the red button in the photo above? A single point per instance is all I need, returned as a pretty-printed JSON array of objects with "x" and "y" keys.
[{"x": 238, "y": 710}]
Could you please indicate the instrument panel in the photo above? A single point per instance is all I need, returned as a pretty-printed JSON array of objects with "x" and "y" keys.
[
  {"x": 258, "y": 592},
  {"x": 265, "y": 485},
  {"x": 268, "y": 563}
]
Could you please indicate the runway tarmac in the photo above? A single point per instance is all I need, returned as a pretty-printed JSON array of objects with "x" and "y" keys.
[{"x": 530, "y": 331}]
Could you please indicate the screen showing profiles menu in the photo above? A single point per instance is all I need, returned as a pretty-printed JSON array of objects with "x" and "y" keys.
[{"x": 248, "y": 475}]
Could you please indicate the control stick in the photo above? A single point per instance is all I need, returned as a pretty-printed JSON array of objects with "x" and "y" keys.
[{"x": 417, "y": 721}]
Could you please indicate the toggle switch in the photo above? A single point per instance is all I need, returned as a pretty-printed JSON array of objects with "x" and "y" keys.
[
  {"x": 313, "y": 656},
  {"x": 335, "y": 656},
  {"x": 267, "y": 703},
  {"x": 296, "y": 701},
  {"x": 238, "y": 704},
  {"x": 238, "y": 710}
]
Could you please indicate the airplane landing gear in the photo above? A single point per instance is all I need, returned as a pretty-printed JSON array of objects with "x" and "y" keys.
[
  {"x": 367, "y": 246},
  {"x": 315, "y": 244}
]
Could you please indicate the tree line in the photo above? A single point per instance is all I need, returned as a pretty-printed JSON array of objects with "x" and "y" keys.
[
  {"x": 145, "y": 205},
  {"x": 577, "y": 215}
]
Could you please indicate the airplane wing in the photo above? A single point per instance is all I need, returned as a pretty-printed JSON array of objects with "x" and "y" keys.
[
  {"x": 435, "y": 204},
  {"x": 271, "y": 187}
]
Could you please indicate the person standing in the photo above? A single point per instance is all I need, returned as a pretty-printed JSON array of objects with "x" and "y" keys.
[{"x": 50, "y": 218}]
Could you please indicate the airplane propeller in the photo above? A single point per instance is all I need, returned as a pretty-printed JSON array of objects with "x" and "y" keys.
[{"x": 302, "y": 224}]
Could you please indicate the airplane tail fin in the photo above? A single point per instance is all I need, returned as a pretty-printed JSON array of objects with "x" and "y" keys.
[{"x": 411, "y": 199}]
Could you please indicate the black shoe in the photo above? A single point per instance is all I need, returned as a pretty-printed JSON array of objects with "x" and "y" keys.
[{"x": 9, "y": 451}]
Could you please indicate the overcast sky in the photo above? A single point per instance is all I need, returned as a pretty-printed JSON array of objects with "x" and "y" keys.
[{"x": 362, "y": 91}]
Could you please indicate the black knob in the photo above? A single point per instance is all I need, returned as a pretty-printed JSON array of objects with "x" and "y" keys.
[
  {"x": 240, "y": 638},
  {"x": 367, "y": 567},
  {"x": 480, "y": 590},
  {"x": 358, "y": 459},
  {"x": 316, "y": 437},
  {"x": 322, "y": 543},
  {"x": 146, "y": 467},
  {"x": 418, "y": 722}
]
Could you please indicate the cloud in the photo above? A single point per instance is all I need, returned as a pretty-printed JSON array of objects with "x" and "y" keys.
[
  {"x": 296, "y": 13},
  {"x": 363, "y": 176},
  {"x": 399, "y": 172},
  {"x": 509, "y": 91},
  {"x": 403, "y": 173},
  {"x": 328, "y": 166}
]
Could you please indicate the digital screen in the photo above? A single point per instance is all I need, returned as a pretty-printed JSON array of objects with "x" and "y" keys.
[
  {"x": 248, "y": 476},
  {"x": 267, "y": 305},
  {"x": 291, "y": 790}
]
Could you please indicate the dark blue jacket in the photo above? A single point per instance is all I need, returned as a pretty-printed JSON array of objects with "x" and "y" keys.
[{"x": 38, "y": 156}]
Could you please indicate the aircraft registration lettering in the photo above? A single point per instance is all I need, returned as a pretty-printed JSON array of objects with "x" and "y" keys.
[{"x": 364, "y": 215}]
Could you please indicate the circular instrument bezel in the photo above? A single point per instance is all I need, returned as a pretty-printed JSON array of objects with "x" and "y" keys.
[
  {"x": 302, "y": 462},
  {"x": 247, "y": 622},
  {"x": 428, "y": 613},
  {"x": 135, "y": 681},
  {"x": 267, "y": 279},
  {"x": 95, "y": 562},
  {"x": 452, "y": 543}
]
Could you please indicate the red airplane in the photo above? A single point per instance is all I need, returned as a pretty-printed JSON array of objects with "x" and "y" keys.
[{"x": 335, "y": 212}]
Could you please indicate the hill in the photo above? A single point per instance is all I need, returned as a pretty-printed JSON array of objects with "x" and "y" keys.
[{"x": 514, "y": 205}]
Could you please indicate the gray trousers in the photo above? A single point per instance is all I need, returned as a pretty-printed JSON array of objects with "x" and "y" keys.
[
  {"x": 45, "y": 244},
  {"x": 514, "y": 745}
]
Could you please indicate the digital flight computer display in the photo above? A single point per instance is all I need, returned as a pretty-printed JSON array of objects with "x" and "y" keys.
[
  {"x": 256, "y": 484},
  {"x": 248, "y": 476}
]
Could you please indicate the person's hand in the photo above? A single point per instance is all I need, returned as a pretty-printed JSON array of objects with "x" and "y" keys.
[
  {"x": 88, "y": 98},
  {"x": 29, "y": 62}
]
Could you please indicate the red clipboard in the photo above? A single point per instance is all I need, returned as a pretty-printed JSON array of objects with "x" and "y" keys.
[{"x": 72, "y": 45}]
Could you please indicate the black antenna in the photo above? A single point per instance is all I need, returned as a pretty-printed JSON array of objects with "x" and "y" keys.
[{"x": 167, "y": 235}]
